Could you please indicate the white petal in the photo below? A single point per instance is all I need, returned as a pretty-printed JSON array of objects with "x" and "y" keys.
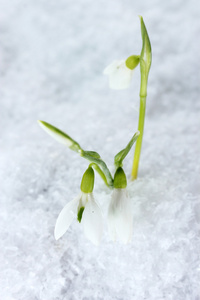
[
  {"x": 113, "y": 67},
  {"x": 121, "y": 79},
  {"x": 119, "y": 75},
  {"x": 111, "y": 227},
  {"x": 92, "y": 221},
  {"x": 120, "y": 216},
  {"x": 124, "y": 227},
  {"x": 83, "y": 200},
  {"x": 66, "y": 217}
]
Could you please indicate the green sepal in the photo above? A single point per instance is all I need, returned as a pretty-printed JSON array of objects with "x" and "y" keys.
[
  {"x": 120, "y": 181},
  {"x": 119, "y": 157},
  {"x": 87, "y": 183},
  {"x": 132, "y": 61},
  {"x": 60, "y": 136},
  {"x": 80, "y": 213},
  {"x": 146, "y": 55}
]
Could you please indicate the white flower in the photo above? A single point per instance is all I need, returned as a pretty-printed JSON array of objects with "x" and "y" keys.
[
  {"x": 91, "y": 217},
  {"x": 119, "y": 75},
  {"x": 120, "y": 220}
]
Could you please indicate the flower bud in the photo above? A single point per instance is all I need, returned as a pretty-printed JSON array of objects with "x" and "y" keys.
[
  {"x": 146, "y": 53},
  {"x": 60, "y": 136}
]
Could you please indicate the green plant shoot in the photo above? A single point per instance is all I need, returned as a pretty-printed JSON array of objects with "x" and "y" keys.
[{"x": 145, "y": 64}]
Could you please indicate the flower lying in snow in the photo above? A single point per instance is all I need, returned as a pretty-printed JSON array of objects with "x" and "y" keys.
[
  {"x": 120, "y": 217},
  {"x": 85, "y": 209},
  {"x": 120, "y": 72}
]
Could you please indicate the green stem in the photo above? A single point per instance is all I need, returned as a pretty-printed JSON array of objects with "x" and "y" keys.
[
  {"x": 98, "y": 161},
  {"x": 106, "y": 172},
  {"x": 145, "y": 64},
  {"x": 138, "y": 146},
  {"x": 100, "y": 172}
]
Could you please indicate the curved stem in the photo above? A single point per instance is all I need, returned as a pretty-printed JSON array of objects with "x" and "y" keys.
[
  {"x": 106, "y": 172},
  {"x": 100, "y": 172},
  {"x": 99, "y": 162}
]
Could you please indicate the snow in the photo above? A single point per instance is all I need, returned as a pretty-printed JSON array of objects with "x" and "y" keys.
[{"x": 53, "y": 54}]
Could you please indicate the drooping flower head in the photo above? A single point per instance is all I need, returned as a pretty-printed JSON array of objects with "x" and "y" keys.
[
  {"x": 120, "y": 217},
  {"x": 120, "y": 72},
  {"x": 85, "y": 209}
]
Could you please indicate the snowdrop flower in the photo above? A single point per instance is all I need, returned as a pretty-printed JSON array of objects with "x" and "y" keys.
[
  {"x": 120, "y": 72},
  {"x": 85, "y": 209},
  {"x": 120, "y": 212}
]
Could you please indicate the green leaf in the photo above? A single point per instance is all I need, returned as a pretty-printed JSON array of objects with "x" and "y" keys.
[
  {"x": 146, "y": 55},
  {"x": 60, "y": 136},
  {"x": 119, "y": 157}
]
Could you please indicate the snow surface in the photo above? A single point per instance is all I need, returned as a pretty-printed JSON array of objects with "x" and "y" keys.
[{"x": 52, "y": 55}]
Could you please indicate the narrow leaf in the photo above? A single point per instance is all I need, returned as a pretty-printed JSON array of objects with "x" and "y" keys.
[{"x": 119, "y": 157}]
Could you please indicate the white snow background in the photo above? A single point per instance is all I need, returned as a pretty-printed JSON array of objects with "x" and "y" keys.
[{"x": 52, "y": 55}]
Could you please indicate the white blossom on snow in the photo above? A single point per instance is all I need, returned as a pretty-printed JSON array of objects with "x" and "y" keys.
[
  {"x": 91, "y": 217},
  {"x": 120, "y": 219}
]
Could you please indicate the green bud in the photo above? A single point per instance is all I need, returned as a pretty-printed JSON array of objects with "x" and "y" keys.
[
  {"x": 60, "y": 136},
  {"x": 120, "y": 181},
  {"x": 87, "y": 183},
  {"x": 146, "y": 55},
  {"x": 132, "y": 61}
]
